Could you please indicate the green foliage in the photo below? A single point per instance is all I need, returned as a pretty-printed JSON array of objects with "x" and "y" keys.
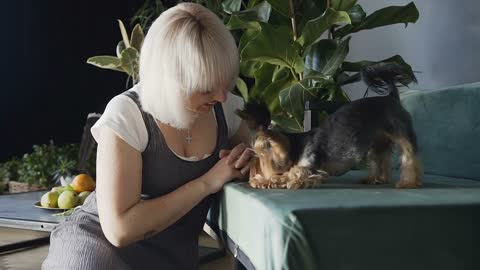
[
  {"x": 295, "y": 50},
  {"x": 44, "y": 164},
  {"x": 128, "y": 53},
  {"x": 291, "y": 51},
  {"x": 147, "y": 13},
  {"x": 8, "y": 171}
]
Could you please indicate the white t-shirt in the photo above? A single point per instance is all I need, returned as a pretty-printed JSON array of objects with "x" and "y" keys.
[{"x": 123, "y": 116}]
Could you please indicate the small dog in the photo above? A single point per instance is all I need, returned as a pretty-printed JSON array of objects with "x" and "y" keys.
[{"x": 363, "y": 129}]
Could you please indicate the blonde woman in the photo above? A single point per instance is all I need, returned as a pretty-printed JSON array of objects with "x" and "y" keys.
[{"x": 167, "y": 139}]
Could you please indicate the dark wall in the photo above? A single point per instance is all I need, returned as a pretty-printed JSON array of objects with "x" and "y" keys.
[{"x": 47, "y": 89}]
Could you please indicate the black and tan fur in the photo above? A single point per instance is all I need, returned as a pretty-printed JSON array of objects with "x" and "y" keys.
[{"x": 367, "y": 128}]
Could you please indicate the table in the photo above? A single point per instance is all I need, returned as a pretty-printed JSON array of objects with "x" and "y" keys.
[
  {"x": 346, "y": 225},
  {"x": 17, "y": 211}
]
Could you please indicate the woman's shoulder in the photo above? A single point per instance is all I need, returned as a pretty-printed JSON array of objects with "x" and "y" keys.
[
  {"x": 123, "y": 101},
  {"x": 124, "y": 117}
]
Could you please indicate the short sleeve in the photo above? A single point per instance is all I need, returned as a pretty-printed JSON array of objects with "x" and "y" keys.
[
  {"x": 232, "y": 103},
  {"x": 123, "y": 116}
]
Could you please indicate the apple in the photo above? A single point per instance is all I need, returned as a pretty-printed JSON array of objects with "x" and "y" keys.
[
  {"x": 49, "y": 199},
  {"x": 68, "y": 199},
  {"x": 82, "y": 196}
]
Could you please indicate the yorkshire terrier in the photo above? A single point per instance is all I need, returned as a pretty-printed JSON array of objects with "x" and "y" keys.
[{"x": 365, "y": 129}]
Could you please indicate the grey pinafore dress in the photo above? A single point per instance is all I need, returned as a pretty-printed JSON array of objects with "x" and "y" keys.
[{"x": 79, "y": 243}]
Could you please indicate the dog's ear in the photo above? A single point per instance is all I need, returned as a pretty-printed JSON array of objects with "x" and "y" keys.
[{"x": 255, "y": 114}]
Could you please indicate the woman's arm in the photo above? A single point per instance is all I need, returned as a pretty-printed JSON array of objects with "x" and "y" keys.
[{"x": 124, "y": 217}]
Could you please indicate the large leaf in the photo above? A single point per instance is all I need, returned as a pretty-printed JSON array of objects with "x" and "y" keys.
[
  {"x": 247, "y": 36},
  {"x": 273, "y": 45},
  {"x": 356, "y": 14},
  {"x": 270, "y": 95},
  {"x": 327, "y": 56},
  {"x": 252, "y": 3},
  {"x": 314, "y": 29},
  {"x": 263, "y": 10},
  {"x": 293, "y": 98},
  {"x": 282, "y": 7},
  {"x": 106, "y": 62},
  {"x": 248, "y": 68},
  {"x": 231, "y": 6},
  {"x": 120, "y": 47},
  {"x": 136, "y": 40},
  {"x": 308, "y": 10},
  {"x": 244, "y": 20},
  {"x": 343, "y": 5},
  {"x": 358, "y": 66},
  {"x": 287, "y": 123},
  {"x": 242, "y": 88},
  {"x": 249, "y": 18},
  {"x": 386, "y": 16},
  {"x": 263, "y": 77},
  {"x": 129, "y": 61},
  {"x": 123, "y": 31}
]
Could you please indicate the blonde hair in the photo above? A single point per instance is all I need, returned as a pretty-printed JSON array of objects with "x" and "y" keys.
[{"x": 187, "y": 50}]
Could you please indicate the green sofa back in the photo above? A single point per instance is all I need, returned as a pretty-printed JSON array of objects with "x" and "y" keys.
[{"x": 447, "y": 123}]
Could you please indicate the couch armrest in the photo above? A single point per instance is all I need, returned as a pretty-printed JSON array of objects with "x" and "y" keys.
[{"x": 447, "y": 123}]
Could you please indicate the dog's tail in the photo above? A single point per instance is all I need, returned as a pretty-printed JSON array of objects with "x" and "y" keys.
[
  {"x": 256, "y": 115},
  {"x": 383, "y": 78}
]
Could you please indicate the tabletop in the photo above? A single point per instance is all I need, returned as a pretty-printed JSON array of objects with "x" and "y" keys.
[{"x": 18, "y": 211}]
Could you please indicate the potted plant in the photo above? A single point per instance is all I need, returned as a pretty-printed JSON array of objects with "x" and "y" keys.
[
  {"x": 8, "y": 172},
  {"x": 47, "y": 165},
  {"x": 291, "y": 51},
  {"x": 294, "y": 51},
  {"x": 128, "y": 54}
]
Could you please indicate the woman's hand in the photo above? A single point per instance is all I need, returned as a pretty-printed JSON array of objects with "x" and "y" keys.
[
  {"x": 232, "y": 164},
  {"x": 240, "y": 157}
]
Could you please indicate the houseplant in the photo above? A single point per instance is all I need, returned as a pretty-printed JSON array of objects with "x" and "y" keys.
[
  {"x": 8, "y": 171},
  {"x": 128, "y": 54},
  {"x": 43, "y": 168},
  {"x": 291, "y": 51},
  {"x": 294, "y": 51}
]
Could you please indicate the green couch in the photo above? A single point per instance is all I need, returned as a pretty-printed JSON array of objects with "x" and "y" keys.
[{"x": 345, "y": 225}]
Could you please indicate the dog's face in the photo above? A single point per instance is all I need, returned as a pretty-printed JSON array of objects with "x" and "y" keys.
[{"x": 271, "y": 149}]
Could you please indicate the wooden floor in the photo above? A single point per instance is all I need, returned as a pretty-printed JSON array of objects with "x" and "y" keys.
[{"x": 32, "y": 258}]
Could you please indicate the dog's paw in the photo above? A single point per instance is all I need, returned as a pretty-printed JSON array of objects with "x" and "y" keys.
[
  {"x": 373, "y": 180},
  {"x": 278, "y": 181},
  {"x": 299, "y": 173},
  {"x": 314, "y": 181},
  {"x": 275, "y": 182},
  {"x": 258, "y": 182},
  {"x": 295, "y": 184}
]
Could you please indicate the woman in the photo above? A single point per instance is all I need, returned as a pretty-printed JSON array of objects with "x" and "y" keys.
[{"x": 165, "y": 139}]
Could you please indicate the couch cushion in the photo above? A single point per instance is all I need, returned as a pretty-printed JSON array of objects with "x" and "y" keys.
[
  {"x": 447, "y": 123},
  {"x": 344, "y": 225}
]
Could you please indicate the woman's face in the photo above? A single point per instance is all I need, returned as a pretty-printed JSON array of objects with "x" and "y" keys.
[{"x": 203, "y": 102}]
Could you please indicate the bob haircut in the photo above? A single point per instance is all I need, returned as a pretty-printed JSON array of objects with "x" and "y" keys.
[{"x": 187, "y": 50}]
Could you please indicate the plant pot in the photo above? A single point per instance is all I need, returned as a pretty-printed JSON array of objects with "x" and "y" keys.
[{"x": 17, "y": 187}]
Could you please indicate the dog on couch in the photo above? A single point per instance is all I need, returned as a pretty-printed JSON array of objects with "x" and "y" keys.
[{"x": 365, "y": 129}]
